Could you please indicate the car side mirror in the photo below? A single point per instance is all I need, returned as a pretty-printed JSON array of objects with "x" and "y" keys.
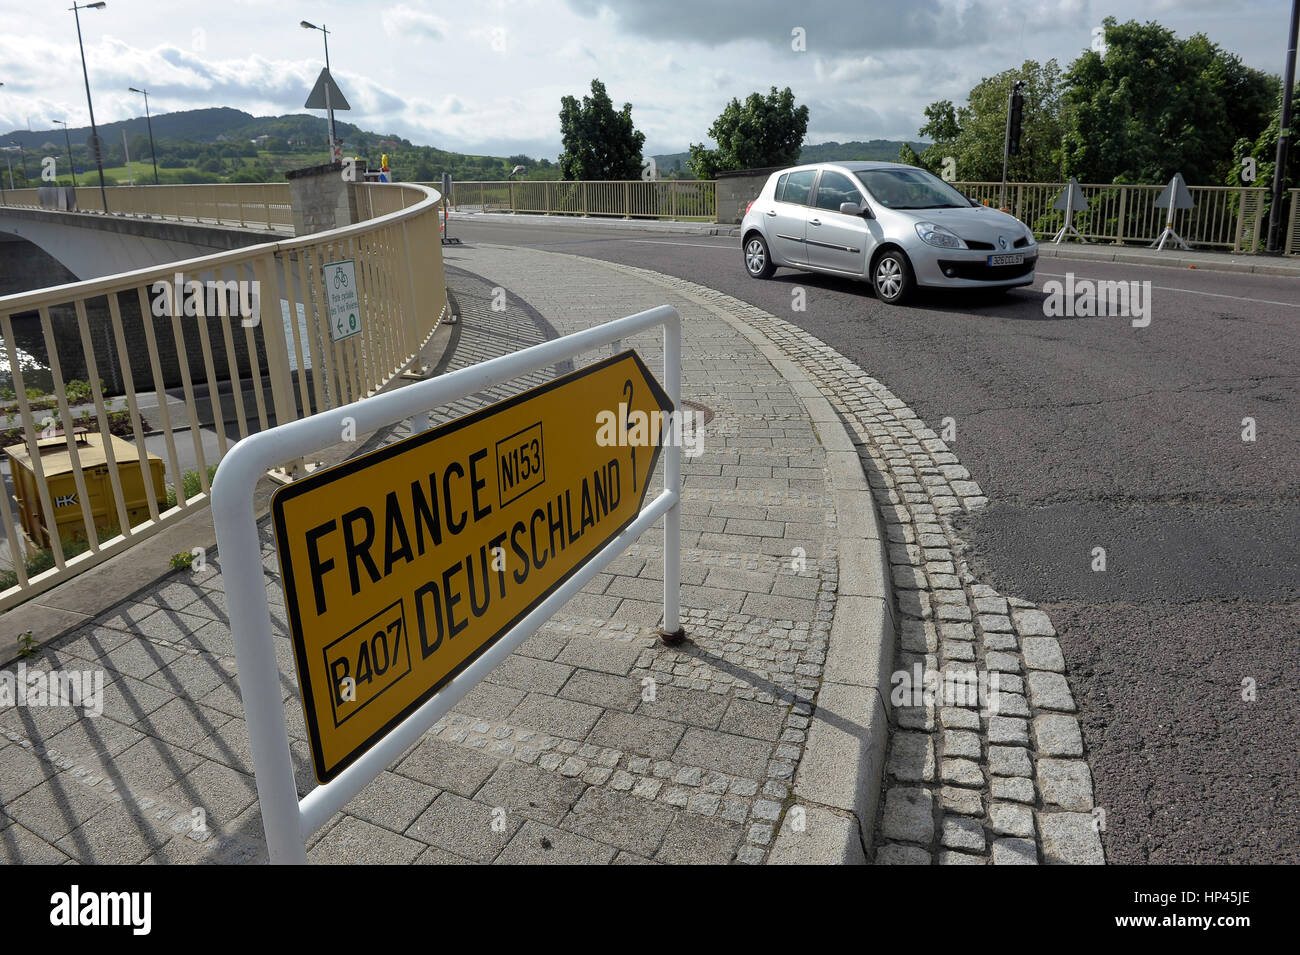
[{"x": 855, "y": 209}]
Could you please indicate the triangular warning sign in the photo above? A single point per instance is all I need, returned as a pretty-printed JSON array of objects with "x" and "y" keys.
[
  {"x": 317, "y": 98},
  {"x": 1072, "y": 195},
  {"x": 1175, "y": 195}
]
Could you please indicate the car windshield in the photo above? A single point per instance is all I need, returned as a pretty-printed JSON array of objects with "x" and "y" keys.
[{"x": 909, "y": 188}]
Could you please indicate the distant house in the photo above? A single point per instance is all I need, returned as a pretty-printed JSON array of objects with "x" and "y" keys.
[{"x": 260, "y": 140}]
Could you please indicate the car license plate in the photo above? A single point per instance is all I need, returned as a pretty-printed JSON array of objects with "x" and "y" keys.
[{"x": 1017, "y": 258}]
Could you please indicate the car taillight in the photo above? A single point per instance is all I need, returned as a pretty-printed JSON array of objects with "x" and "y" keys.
[{"x": 750, "y": 206}]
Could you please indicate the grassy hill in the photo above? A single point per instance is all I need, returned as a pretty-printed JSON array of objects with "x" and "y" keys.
[
  {"x": 229, "y": 145},
  {"x": 196, "y": 125},
  {"x": 885, "y": 150}
]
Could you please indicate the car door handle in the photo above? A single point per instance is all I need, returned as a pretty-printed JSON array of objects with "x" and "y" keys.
[
  {"x": 772, "y": 213},
  {"x": 814, "y": 221}
]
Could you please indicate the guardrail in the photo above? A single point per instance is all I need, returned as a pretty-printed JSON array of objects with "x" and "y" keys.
[
  {"x": 1224, "y": 217},
  {"x": 661, "y": 199},
  {"x": 243, "y": 204},
  {"x": 198, "y": 350},
  {"x": 1292, "y": 246}
]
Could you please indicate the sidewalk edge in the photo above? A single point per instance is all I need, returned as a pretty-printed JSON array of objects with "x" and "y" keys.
[
  {"x": 1126, "y": 255},
  {"x": 575, "y": 221},
  {"x": 837, "y": 785}
]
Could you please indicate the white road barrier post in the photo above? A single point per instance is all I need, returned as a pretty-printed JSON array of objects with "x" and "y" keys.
[
  {"x": 288, "y": 822},
  {"x": 672, "y": 631}
]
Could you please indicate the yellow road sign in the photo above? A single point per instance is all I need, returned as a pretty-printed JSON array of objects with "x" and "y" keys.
[{"x": 402, "y": 566}]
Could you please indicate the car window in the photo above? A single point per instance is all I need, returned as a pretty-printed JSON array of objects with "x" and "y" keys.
[
  {"x": 906, "y": 187},
  {"x": 835, "y": 188},
  {"x": 780, "y": 187},
  {"x": 798, "y": 185}
]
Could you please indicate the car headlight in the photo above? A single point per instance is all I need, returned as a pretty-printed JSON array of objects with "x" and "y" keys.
[{"x": 932, "y": 233}]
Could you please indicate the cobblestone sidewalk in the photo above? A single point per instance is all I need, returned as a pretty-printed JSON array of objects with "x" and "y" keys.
[
  {"x": 562, "y": 755},
  {"x": 592, "y": 743},
  {"x": 971, "y": 777}
]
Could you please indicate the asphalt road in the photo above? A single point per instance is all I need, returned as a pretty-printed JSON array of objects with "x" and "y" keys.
[{"x": 1087, "y": 433}]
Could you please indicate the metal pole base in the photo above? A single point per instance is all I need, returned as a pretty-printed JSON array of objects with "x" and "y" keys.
[
  {"x": 1169, "y": 233},
  {"x": 672, "y": 638},
  {"x": 1068, "y": 230}
]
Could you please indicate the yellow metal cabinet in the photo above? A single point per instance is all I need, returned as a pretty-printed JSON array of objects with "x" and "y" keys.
[{"x": 65, "y": 501}]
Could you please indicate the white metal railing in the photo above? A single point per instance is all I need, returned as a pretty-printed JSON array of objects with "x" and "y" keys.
[
  {"x": 1224, "y": 217},
  {"x": 192, "y": 375},
  {"x": 287, "y": 822},
  {"x": 658, "y": 199},
  {"x": 256, "y": 204},
  {"x": 1292, "y": 246}
]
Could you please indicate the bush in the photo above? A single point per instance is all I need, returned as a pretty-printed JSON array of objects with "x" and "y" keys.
[
  {"x": 191, "y": 484},
  {"x": 42, "y": 559},
  {"x": 78, "y": 392}
]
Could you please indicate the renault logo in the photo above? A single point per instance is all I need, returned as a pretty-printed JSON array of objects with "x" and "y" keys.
[{"x": 1002, "y": 242}]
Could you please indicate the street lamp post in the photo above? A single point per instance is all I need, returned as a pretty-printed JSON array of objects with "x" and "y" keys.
[
  {"x": 68, "y": 139},
  {"x": 94, "y": 130},
  {"x": 1006, "y": 141},
  {"x": 149, "y": 121},
  {"x": 1284, "y": 134},
  {"x": 329, "y": 108},
  {"x": 22, "y": 153}
]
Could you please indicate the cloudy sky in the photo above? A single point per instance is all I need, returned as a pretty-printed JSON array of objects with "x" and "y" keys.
[{"x": 487, "y": 75}]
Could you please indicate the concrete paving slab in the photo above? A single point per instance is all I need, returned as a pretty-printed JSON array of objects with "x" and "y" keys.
[{"x": 593, "y": 737}]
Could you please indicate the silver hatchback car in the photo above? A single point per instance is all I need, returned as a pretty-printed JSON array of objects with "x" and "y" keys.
[{"x": 896, "y": 226}]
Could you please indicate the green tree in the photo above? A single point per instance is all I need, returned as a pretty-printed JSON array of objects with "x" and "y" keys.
[
  {"x": 1154, "y": 105},
  {"x": 973, "y": 135},
  {"x": 599, "y": 141},
  {"x": 908, "y": 155},
  {"x": 763, "y": 131},
  {"x": 140, "y": 147},
  {"x": 1263, "y": 149}
]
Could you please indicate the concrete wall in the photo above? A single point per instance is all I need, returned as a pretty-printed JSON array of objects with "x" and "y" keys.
[
  {"x": 737, "y": 189},
  {"x": 41, "y": 249},
  {"x": 67, "y": 335},
  {"x": 321, "y": 199},
  {"x": 93, "y": 245}
]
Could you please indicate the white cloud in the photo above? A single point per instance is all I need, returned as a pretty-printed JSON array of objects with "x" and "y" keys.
[
  {"x": 404, "y": 21},
  {"x": 441, "y": 74},
  {"x": 847, "y": 70}
]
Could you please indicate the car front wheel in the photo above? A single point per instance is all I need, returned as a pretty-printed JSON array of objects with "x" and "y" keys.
[
  {"x": 758, "y": 261},
  {"x": 892, "y": 278}
]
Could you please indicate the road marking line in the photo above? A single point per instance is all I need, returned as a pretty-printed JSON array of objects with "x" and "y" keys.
[
  {"x": 693, "y": 245},
  {"x": 1189, "y": 291}
]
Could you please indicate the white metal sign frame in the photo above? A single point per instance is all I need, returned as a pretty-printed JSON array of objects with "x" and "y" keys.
[{"x": 287, "y": 822}]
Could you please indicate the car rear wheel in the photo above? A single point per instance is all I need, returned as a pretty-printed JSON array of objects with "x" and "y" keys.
[
  {"x": 758, "y": 261},
  {"x": 892, "y": 278}
]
